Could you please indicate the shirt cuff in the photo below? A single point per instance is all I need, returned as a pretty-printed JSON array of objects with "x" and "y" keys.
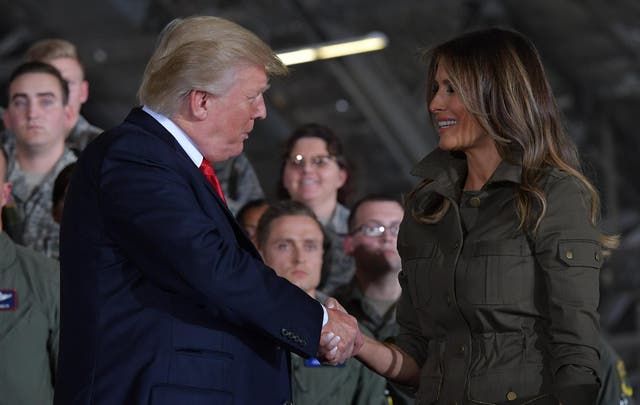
[{"x": 325, "y": 316}]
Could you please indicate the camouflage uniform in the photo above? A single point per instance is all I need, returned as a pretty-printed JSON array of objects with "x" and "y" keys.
[
  {"x": 81, "y": 134},
  {"x": 239, "y": 182},
  {"x": 350, "y": 383},
  {"x": 383, "y": 328},
  {"x": 30, "y": 222},
  {"x": 338, "y": 268}
]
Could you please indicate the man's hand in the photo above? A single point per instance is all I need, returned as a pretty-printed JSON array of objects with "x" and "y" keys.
[{"x": 340, "y": 338}]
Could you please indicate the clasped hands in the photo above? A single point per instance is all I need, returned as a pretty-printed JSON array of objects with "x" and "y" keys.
[{"x": 340, "y": 338}]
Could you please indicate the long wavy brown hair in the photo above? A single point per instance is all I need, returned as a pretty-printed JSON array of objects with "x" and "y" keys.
[{"x": 499, "y": 77}]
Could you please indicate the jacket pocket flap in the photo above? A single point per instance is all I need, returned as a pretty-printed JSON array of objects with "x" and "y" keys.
[{"x": 580, "y": 253}]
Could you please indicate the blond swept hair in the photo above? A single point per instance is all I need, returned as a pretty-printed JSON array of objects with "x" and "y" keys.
[
  {"x": 200, "y": 53},
  {"x": 51, "y": 48}
]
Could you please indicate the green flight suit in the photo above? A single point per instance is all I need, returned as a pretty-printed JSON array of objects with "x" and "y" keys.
[
  {"x": 29, "y": 319},
  {"x": 350, "y": 383}
]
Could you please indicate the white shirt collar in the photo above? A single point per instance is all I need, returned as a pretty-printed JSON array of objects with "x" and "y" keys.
[{"x": 183, "y": 139}]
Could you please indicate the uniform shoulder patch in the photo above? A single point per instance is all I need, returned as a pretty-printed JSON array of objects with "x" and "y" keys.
[{"x": 8, "y": 300}]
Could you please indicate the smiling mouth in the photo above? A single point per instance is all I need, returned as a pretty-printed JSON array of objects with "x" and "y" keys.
[{"x": 446, "y": 123}]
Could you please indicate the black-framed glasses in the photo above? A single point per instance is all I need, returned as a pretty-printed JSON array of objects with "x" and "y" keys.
[
  {"x": 317, "y": 161},
  {"x": 376, "y": 230}
]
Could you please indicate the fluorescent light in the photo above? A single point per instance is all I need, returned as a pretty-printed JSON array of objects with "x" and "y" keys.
[{"x": 373, "y": 41}]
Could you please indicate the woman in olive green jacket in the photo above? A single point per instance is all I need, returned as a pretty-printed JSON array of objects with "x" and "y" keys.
[{"x": 499, "y": 244}]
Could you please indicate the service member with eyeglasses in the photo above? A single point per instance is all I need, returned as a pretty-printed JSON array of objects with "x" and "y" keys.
[
  {"x": 372, "y": 294},
  {"x": 315, "y": 172}
]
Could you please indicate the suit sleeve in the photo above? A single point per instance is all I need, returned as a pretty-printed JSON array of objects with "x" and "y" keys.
[
  {"x": 155, "y": 213},
  {"x": 568, "y": 251}
]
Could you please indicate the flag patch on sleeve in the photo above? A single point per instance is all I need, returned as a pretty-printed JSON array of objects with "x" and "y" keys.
[{"x": 8, "y": 300}]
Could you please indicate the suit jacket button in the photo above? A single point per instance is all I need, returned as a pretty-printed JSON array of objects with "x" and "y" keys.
[
  {"x": 287, "y": 403},
  {"x": 511, "y": 395}
]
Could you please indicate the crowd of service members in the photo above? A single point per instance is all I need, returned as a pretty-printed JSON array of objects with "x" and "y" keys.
[{"x": 314, "y": 238}]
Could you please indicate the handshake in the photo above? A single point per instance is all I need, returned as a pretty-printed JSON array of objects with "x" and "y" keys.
[{"x": 340, "y": 338}]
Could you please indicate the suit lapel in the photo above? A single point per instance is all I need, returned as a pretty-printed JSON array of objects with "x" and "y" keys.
[{"x": 140, "y": 118}]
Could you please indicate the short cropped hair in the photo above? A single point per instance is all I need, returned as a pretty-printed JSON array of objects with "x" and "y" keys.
[
  {"x": 381, "y": 197},
  {"x": 200, "y": 53},
  {"x": 41, "y": 67},
  {"x": 249, "y": 205},
  {"x": 51, "y": 48},
  {"x": 284, "y": 208}
]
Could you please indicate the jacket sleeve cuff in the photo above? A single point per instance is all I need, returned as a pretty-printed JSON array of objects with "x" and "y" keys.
[{"x": 576, "y": 385}]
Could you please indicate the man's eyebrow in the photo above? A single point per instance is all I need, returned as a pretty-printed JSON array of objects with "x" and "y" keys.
[
  {"x": 18, "y": 95},
  {"x": 285, "y": 239},
  {"x": 45, "y": 94}
]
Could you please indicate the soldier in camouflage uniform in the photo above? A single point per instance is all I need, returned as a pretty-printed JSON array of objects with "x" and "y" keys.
[
  {"x": 39, "y": 116},
  {"x": 62, "y": 55}
]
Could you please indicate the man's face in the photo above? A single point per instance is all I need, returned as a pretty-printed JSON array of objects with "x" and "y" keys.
[
  {"x": 72, "y": 72},
  {"x": 231, "y": 116},
  {"x": 36, "y": 113},
  {"x": 293, "y": 248},
  {"x": 376, "y": 253}
]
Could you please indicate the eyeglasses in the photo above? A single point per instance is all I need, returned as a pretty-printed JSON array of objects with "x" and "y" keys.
[
  {"x": 376, "y": 230},
  {"x": 317, "y": 162}
]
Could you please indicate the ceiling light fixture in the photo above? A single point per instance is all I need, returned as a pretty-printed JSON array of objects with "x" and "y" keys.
[{"x": 373, "y": 41}]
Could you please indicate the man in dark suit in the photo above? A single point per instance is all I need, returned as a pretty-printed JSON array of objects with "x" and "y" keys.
[{"x": 164, "y": 299}]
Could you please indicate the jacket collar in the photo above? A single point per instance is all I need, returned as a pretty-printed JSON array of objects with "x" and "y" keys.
[{"x": 448, "y": 171}]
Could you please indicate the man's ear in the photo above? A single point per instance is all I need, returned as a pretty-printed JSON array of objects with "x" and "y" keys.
[
  {"x": 70, "y": 118},
  {"x": 199, "y": 103},
  {"x": 84, "y": 91}
]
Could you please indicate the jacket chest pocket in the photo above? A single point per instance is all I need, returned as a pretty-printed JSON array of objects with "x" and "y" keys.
[
  {"x": 499, "y": 272},
  {"x": 416, "y": 264}
]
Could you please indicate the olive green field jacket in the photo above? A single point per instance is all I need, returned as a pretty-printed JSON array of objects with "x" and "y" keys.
[{"x": 492, "y": 314}]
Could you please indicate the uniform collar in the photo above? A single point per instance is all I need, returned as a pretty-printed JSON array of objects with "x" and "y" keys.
[{"x": 7, "y": 251}]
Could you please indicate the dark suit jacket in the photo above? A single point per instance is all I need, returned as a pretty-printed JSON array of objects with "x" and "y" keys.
[{"x": 164, "y": 300}]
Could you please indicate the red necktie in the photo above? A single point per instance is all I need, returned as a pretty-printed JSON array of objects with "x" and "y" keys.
[{"x": 210, "y": 174}]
